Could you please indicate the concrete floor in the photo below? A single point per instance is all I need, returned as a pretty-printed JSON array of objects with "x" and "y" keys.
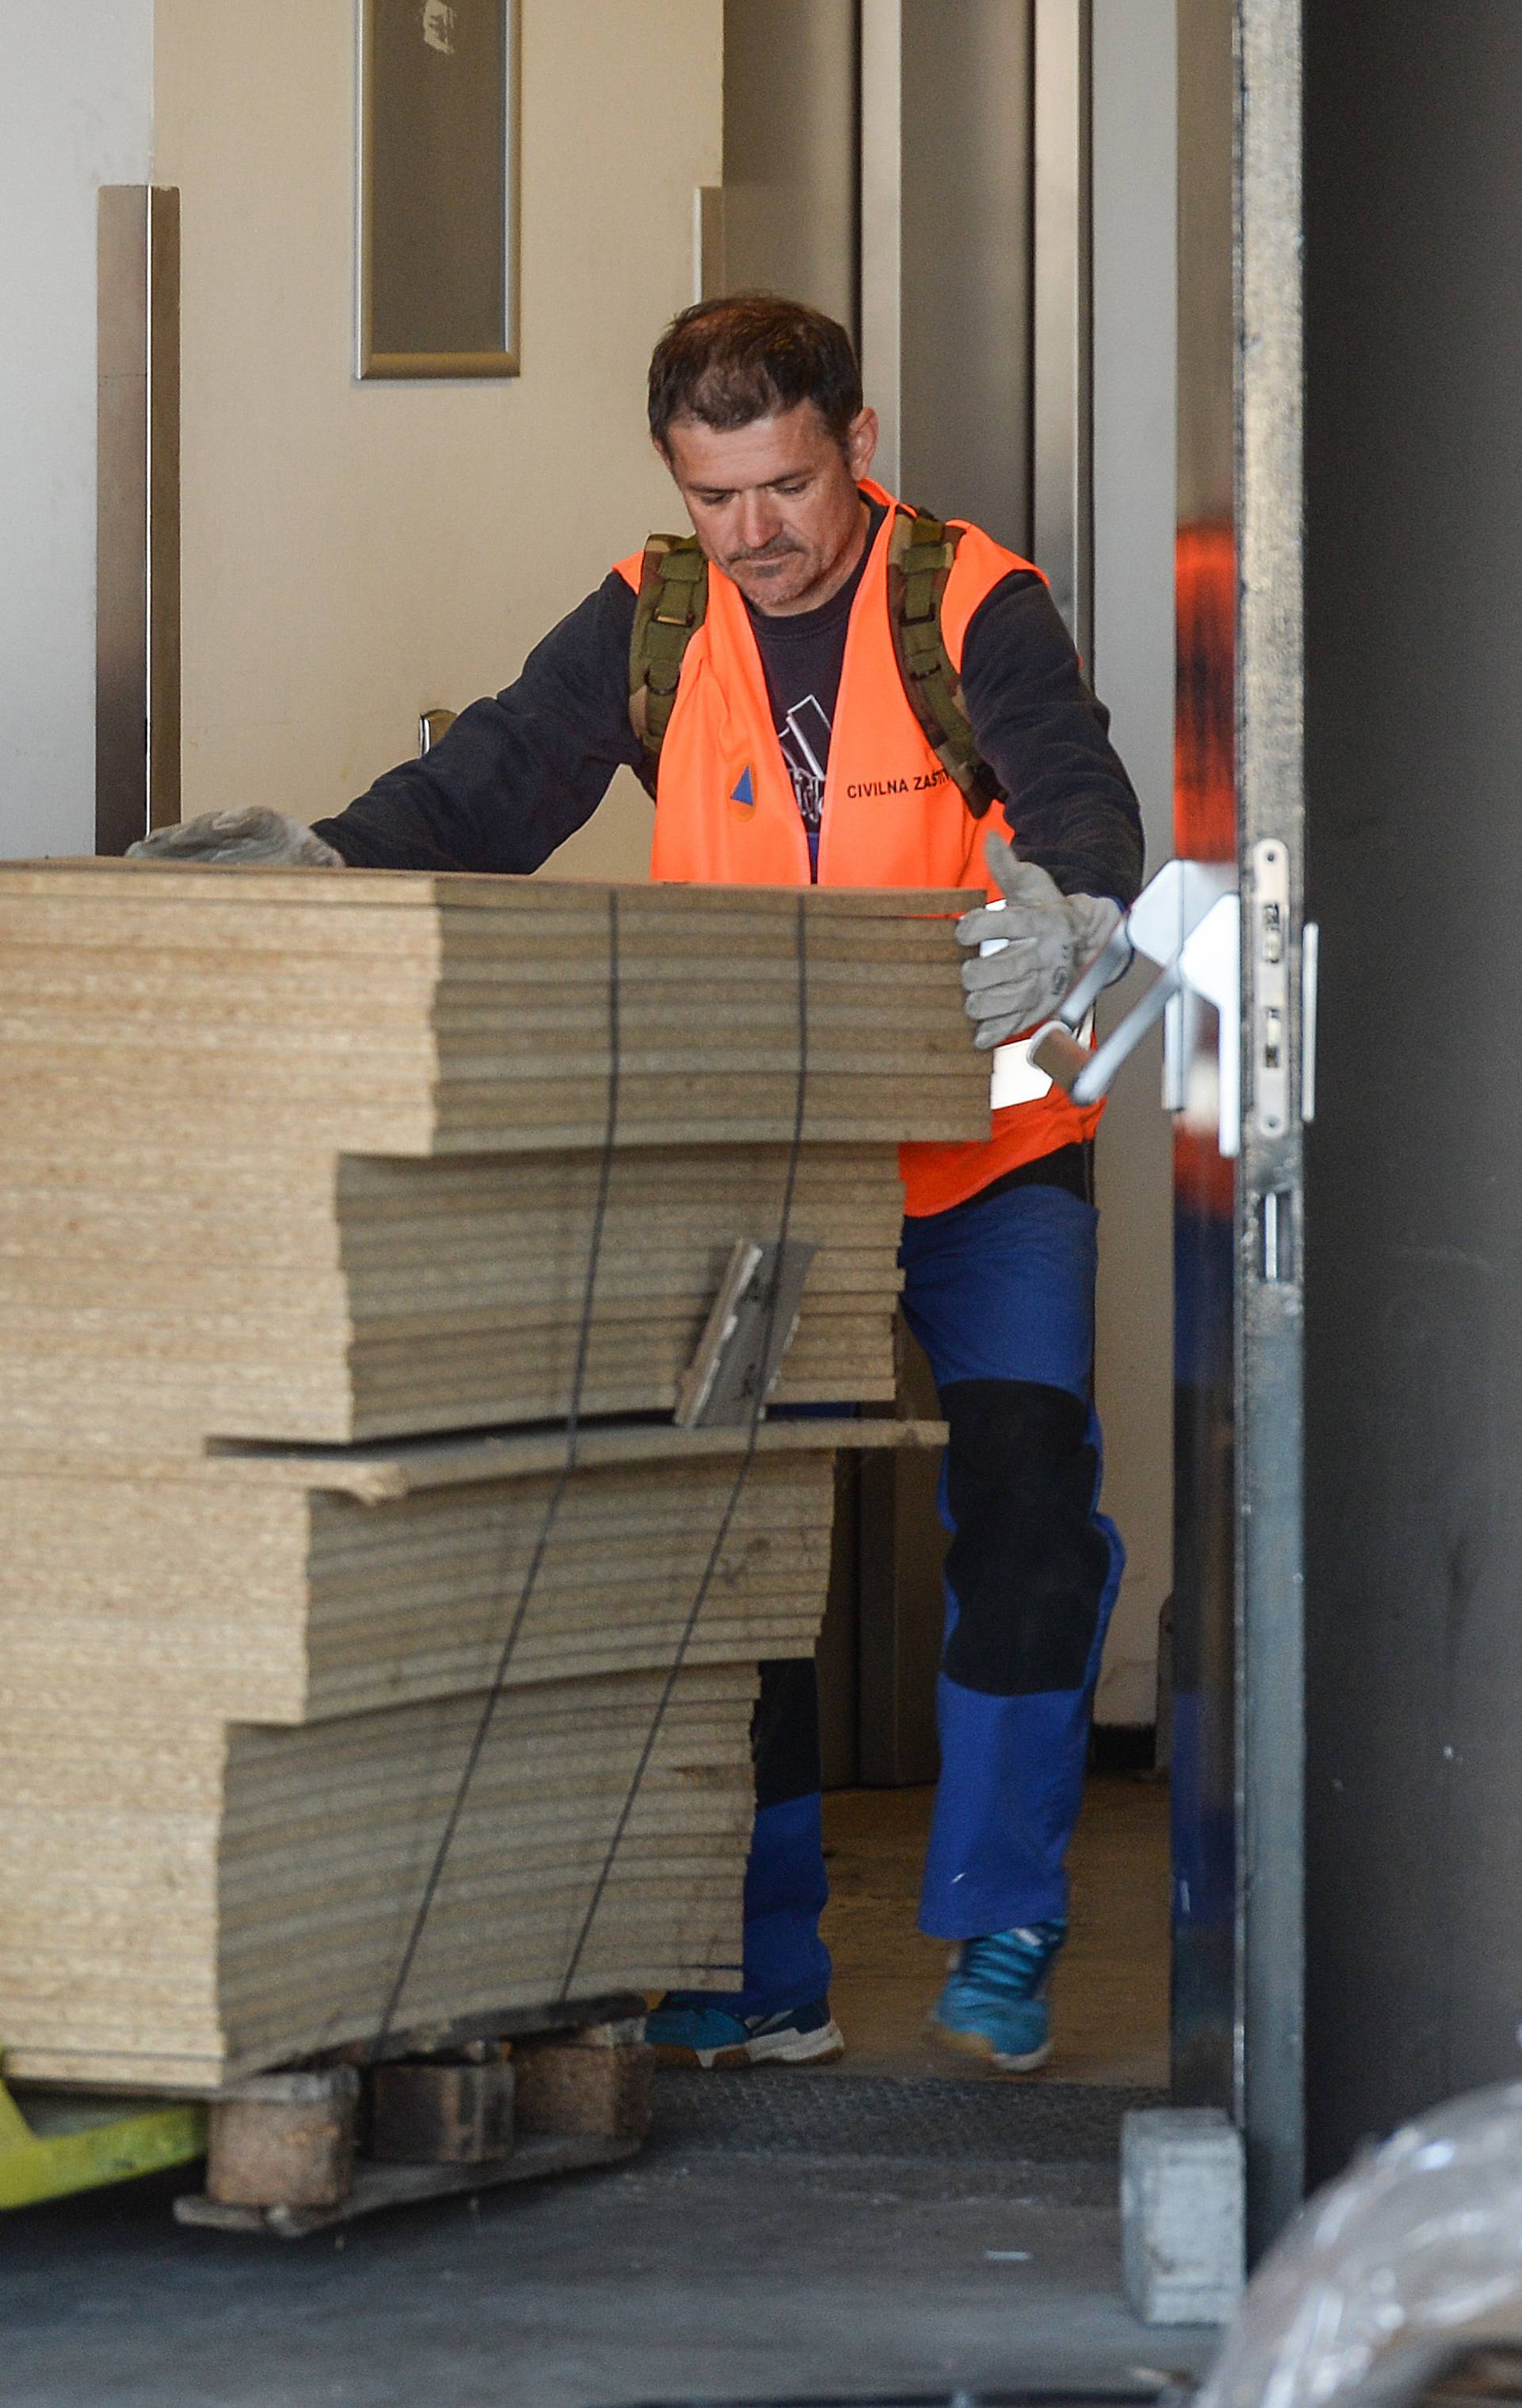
[{"x": 704, "y": 2269}]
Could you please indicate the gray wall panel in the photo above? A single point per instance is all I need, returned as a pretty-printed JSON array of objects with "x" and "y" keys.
[
  {"x": 1135, "y": 313},
  {"x": 966, "y": 240},
  {"x": 790, "y": 175}
]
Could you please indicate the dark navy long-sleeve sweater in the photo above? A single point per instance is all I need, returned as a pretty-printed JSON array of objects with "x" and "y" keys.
[{"x": 520, "y": 772}]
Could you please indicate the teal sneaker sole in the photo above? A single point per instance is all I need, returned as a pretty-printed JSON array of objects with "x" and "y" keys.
[{"x": 977, "y": 2043}]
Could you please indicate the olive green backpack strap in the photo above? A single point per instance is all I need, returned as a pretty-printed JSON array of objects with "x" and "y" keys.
[
  {"x": 921, "y": 550},
  {"x": 672, "y": 600}
]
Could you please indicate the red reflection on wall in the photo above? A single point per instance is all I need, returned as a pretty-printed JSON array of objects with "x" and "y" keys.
[
  {"x": 1205, "y": 719},
  {"x": 1205, "y": 775}
]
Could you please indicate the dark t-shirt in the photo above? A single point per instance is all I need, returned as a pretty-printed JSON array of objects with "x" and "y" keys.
[
  {"x": 522, "y": 771},
  {"x": 802, "y": 657}
]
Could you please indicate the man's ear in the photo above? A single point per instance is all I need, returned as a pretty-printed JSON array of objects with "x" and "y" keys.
[{"x": 861, "y": 442}]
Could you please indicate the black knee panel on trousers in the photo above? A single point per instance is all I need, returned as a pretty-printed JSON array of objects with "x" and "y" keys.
[
  {"x": 1027, "y": 1566},
  {"x": 784, "y": 1731}
]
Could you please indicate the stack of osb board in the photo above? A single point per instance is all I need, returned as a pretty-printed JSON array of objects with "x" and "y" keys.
[{"x": 301, "y": 1170}]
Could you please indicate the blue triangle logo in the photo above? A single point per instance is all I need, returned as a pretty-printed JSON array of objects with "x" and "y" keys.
[{"x": 744, "y": 793}]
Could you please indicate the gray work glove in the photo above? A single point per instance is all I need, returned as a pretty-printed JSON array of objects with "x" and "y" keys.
[
  {"x": 1046, "y": 941},
  {"x": 253, "y": 835}
]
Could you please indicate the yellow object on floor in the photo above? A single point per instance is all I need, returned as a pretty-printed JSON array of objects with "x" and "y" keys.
[{"x": 81, "y": 2141}]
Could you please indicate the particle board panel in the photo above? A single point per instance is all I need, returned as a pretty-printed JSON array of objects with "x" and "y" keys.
[
  {"x": 239, "y": 1692},
  {"x": 261, "y": 1913},
  {"x": 410, "y": 1016},
  {"x": 322, "y": 1298}
]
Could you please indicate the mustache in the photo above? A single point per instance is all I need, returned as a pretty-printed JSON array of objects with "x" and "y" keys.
[{"x": 778, "y": 549}]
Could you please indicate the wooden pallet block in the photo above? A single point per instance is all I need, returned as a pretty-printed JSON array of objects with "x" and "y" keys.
[{"x": 575, "y": 2095}]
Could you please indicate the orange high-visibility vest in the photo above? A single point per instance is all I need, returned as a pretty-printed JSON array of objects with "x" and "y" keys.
[{"x": 726, "y": 813}]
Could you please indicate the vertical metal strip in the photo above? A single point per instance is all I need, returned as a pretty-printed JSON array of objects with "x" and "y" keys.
[
  {"x": 708, "y": 276},
  {"x": 1062, "y": 479},
  {"x": 163, "y": 652},
  {"x": 121, "y": 518},
  {"x": 138, "y": 736},
  {"x": 881, "y": 226},
  {"x": 1270, "y": 1322}
]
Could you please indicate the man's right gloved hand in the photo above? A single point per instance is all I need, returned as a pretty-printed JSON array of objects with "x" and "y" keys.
[
  {"x": 1039, "y": 941},
  {"x": 252, "y": 836}
]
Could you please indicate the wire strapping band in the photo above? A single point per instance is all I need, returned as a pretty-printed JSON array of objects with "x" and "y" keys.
[
  {"x": 551, "y": 1509},
  {"x": 741, "y": 1475}
]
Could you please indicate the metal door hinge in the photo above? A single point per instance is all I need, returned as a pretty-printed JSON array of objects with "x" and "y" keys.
[{"x": 1270, "y": 985}]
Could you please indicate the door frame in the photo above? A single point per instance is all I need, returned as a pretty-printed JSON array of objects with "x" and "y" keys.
[{"x": 1270, "y": 1234}]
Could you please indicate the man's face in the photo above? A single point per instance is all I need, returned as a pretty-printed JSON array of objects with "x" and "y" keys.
[{"x": 775, "y": 503}]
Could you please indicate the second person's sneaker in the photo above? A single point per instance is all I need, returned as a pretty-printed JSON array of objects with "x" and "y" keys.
[
  {"x": 995, "y": 2003},
  {"x": 689, "y": 2033}
]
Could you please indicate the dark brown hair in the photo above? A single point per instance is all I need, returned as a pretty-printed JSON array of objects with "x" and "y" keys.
[{"x": 753, "y": 355}]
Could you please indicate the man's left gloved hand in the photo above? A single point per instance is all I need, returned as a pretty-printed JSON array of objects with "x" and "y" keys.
[
  {"x": 1046, "y": 940},
  {"x": 254, "y": 837}
]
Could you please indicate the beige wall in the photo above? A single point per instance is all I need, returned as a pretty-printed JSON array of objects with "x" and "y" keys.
[{"x": 353, "y": 554}]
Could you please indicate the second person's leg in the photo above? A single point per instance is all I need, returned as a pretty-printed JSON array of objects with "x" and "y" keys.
[{"x": 779, "y": 2012}]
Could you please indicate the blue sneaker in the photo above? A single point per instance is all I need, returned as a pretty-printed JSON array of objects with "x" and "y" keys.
[
  {"x": 687, "y": 2032},
  {"x": 995, "y": 2003}
]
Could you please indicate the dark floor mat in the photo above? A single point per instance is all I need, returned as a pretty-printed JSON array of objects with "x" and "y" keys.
[
  {"x": 767, "y": 2113},
  {"x": 950, "y": 2399}
]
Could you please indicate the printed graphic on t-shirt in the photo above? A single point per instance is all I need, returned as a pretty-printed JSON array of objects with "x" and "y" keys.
[{"x": 804, "y": 737}]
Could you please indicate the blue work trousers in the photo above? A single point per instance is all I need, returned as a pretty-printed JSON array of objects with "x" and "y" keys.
[{"x": 1000, "y": 1293}]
